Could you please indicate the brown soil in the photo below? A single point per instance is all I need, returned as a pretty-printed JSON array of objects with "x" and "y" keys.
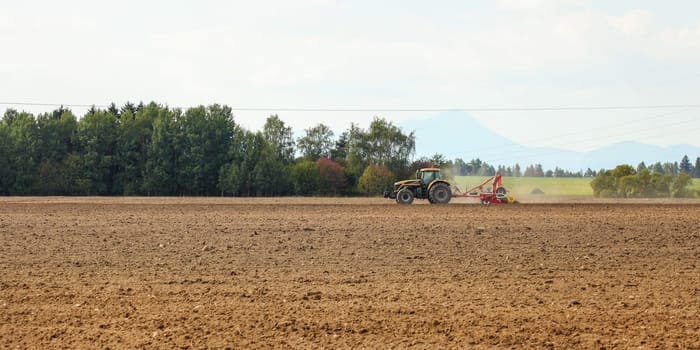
[{"x": 342, "y": 273}]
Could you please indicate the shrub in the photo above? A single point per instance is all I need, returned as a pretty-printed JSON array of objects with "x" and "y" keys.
[{"x": 375, "y": 179}]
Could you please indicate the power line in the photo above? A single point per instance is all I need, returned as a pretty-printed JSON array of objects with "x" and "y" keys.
[
  {"x": 36, "y": 104},
  {"x": 473, "y": 109},
  {"x": 400, "y": 110},
  {"x": 540, "y": 155},
  {"x": 537, "y": 154},
  {"x": 626, "y": 132}
]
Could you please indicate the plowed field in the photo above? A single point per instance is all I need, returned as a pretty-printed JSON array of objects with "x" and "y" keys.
[{"x": 347, "y": 273}]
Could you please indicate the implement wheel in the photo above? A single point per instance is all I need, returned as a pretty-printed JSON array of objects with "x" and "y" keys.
[
  {"x": 501, "y": 193},
  {"x": 440, "y": 194},
  {"x": 404, "y": 196}
]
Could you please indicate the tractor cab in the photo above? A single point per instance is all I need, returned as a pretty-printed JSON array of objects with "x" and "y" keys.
[{"x": 427, "y": 175}]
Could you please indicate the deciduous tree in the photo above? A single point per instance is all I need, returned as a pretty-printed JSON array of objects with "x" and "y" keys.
[
  {"x": 382, "y": 144},
  {"x": 207, "y": 134},
  {"x": 135, "y": 136},
  {"x": 331, "y": 177},
  {"x": 279, "y": 136},
  {"x": 604, "y": 184},
  {"x": 164, "y": 154},
  {"x": 624, "y": 181},
  {"x": 679, "y": 187},
  {"x": 24, "y": 159},
  {"x": 98, "y": 135},
  {"x": 305, "y": 176},
  {"x": 6, "y": 159},
  {"x": 269, "y": 177},
  {"x": 317, "y": 143},
  {"x": 375, "y": 179}
]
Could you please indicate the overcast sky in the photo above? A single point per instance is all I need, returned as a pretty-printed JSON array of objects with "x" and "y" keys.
[{"x": 372, "y": 55}]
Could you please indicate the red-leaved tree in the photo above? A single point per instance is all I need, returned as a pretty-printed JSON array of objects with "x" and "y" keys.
[{"x": 331, "y": 177}]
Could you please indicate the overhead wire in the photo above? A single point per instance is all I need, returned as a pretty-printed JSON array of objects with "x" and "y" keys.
[
  {"x": 637, "y": 133},
  {"x": 584, "y": 132},
  {"x": 458, "y": 109},
  {"x": 685, "y": 107},
  {"x": 554, "y": 152}
]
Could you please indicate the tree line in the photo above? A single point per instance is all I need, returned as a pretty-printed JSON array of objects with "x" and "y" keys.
[
  {"x": 476, "y": 167},
  {"x": 151, "y": 149},
  {"x": 625, "y": 181}
]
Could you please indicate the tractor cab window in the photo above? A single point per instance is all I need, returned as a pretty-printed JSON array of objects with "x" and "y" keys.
[{"x": 428, "y": 177}]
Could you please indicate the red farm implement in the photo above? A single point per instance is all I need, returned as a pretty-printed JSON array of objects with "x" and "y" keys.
[{"x": 491, "y": 191}]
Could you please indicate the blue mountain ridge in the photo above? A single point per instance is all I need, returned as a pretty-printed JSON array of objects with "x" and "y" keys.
[{"x": 458, "y": 135}]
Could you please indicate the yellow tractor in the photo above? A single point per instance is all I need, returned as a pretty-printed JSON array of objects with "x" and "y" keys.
[{"x": 428, "y": 184}]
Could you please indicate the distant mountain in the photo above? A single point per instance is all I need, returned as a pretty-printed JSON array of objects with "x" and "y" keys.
[
  {"x": 458, "y": 135},
  {"x": 455, "y": 133}
]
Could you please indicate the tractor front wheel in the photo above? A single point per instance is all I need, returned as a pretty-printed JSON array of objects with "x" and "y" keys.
[
  {"x": 440, "y": 194},
  {"x": 404, "y": 196}
]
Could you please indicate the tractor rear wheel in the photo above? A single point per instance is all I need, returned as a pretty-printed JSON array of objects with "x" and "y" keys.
[
  {"x": 404, "y": 196},
  {"x": 440, "y": 194}
]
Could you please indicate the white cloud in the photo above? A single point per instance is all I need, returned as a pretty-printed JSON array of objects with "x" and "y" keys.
[
  {"x": 635, "y": 22},
  {"x": 358, "y": 55},
  {"x": 680, "y": 44},
  {"x": 539, "y": 5}
]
